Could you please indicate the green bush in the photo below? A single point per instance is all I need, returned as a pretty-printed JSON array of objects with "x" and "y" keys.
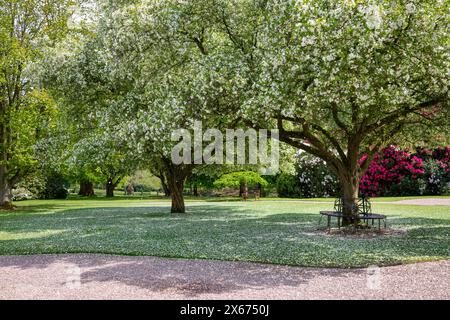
[
  {"x": 55, "y": 187},
  {"x": 288, "y": 186},
  {"x": 407, "y": 187}
]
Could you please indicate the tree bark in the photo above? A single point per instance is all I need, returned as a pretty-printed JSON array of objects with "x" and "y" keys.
[
  {"x": 350, "y": 190},
  {"x": 241, "y": 190},
  {"x": 5, "y": 184},
  {"x": 176, "y": 176},
  {"x": 176, "y": 188},
  {"x": 130, "y": 189},
  {"x": 110, "y": 187},
  {"x": 5, "y": 190},
  {"x": 258, "y": 191},
  {"x": 86, "y": 189},
  {"x": 164, "y": 184},
  {"x": 165, "y": 189}
]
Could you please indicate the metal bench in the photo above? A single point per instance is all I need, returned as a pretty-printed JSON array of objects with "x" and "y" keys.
[{"x": 364, "y": 211}]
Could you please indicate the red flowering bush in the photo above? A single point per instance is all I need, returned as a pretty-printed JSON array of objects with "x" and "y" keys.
[
  {"x": 388, "y": 169},
  {"x": 396, "y": 172}
]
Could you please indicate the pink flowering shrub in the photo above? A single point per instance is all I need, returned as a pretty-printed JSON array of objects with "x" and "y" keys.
[
  {"x": 396, "y": 172},
  {"x": 388, "y": 169}
]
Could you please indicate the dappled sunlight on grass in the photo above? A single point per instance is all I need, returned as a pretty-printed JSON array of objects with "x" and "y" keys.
[
  {"x": 262, "y": 231},
  {"x": 5, "y": 236}
]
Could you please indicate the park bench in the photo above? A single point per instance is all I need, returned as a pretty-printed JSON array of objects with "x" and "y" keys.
[{"x": 364, "y": 211}]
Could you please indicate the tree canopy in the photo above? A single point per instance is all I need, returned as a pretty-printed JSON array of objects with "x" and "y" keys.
[
  {"x": 340, "y": 80},
  {"x": 26, "y": 28}
]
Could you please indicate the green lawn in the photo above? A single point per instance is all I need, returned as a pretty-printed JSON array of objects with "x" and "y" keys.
[{"x": 282, "y": 232}]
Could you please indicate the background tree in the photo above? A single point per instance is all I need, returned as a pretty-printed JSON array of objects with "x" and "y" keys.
[
  {"x": 25, "y": 28},
  {"x": 339, "y": 80},
  {"x": 241, "y": 179}
]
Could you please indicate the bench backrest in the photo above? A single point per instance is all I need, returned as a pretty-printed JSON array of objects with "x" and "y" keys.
[{"x": 363, "y": 205}]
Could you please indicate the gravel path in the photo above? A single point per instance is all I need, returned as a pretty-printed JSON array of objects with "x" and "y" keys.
[{"x": 87, "y": 276}]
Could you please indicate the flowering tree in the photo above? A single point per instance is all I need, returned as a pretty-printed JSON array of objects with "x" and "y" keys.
[
  {"x": 25, "y": 28},
  {"x": 338, "y": 79}
]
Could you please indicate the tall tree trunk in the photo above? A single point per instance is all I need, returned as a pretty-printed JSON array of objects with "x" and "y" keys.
[
  {"x": 245, "y": 192},
  {"x": 176, "y": 176},
  {"x": 176, "y": 188},
  {"x": 5, "y": 189},
  {"x": 5, "y": 185},
  {"x": 349, "y": 178},
  {"x": 164, "y": 185},
  {"x": 86, "y": 189},
  {"x": 350, "y": 191},
  {"x": 110, "y": 187},
  {"x": 165, "y": 189}
]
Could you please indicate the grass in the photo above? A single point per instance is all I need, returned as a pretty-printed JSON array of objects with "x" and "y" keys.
[{"x": 280, "y": 232}]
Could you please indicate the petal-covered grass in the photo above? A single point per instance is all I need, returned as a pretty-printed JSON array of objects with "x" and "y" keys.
[{"x": 281, "y": 232}]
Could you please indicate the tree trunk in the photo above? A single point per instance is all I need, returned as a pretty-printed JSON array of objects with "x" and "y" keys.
[
  {"x": 245, "y": 192},
  {"x": 5, "y": 190},
  {"x": 176, "y": 192},
  {"x": 110, "y": 187},
  {"x": 258, "y": 189},
  {"x": 164, "y": 185},
  {"x": 176, "y": 176},
  {"x": 130, "y": 189},
  {"x": 350, "y": 190},
  {"x": 86, "y": 189}
]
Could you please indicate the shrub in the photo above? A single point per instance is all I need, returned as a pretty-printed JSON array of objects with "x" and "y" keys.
[
  {"x": 31, "y": 186},
  {"x": 395, "y": 172},
  {"x": 312, "y": 179},
  {"x": 436, "y": 177},
  {"x": 388, "y": 169},
  {"x": 288, "y": 186},
  {"x": 20, "y": 194},
  {"x": 315, "y": 178},
  {"x": 407, "y": 187},
  {"x": 55, "y": 187}
]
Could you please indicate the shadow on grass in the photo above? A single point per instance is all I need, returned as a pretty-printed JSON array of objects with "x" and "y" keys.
[{"x": 217, "y": 232}]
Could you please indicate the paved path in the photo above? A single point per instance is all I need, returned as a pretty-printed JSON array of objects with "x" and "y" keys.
[{"x": 86, "y": 276}]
